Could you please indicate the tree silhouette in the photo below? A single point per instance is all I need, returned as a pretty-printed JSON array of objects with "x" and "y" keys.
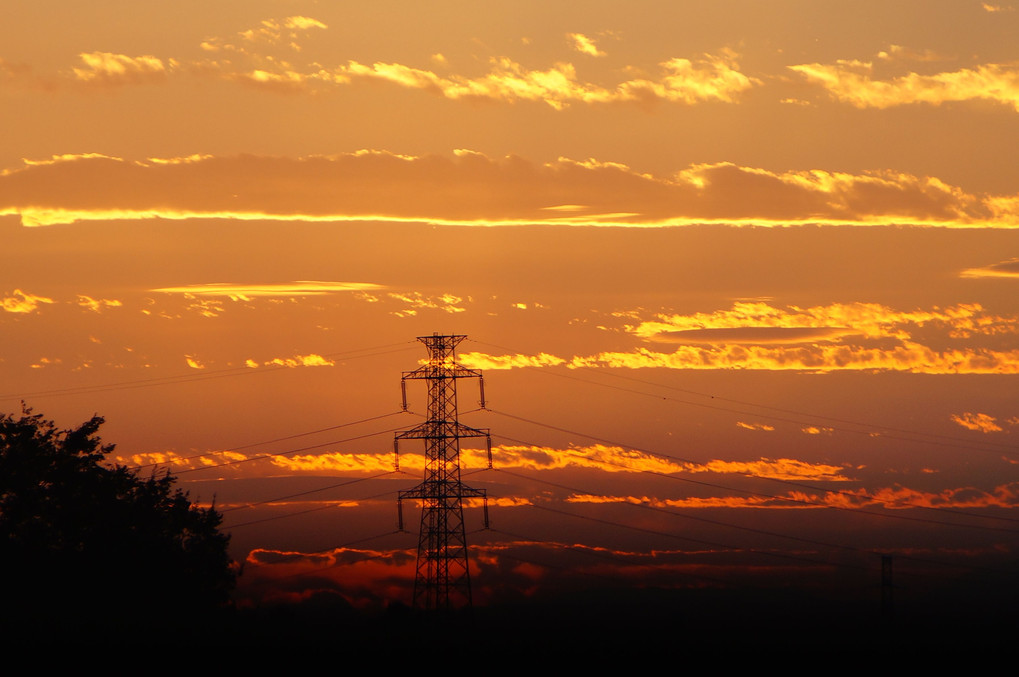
[{"x": 83, "y": 542}]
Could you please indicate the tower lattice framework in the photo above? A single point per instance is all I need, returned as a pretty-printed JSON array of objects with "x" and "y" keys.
[{"x": 442, "y": 579}]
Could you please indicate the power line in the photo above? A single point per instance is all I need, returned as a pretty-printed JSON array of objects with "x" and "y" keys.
[
  {"x": 204, "y": 376},
  {"x": 286, "y": 453},
  {"x": 279, "y": 439},
  {"x": 948, "y": 440},
  {"x": 797, "y": 484},
  {"x": 306, "y": 493},
  {"x": 755, "y": 530}
]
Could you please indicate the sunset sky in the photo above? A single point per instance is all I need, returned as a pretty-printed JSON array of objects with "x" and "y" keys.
[{"x": 742, "y": 277}]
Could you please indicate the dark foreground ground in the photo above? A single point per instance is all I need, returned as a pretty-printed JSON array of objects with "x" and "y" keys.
[{"x": 725, "y": 628}]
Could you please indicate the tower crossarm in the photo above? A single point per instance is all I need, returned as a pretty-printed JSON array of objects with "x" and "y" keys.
[
  {"x": 437, "y": 430},
  {"x": 442, "y": 370},
  {"x": 441, "y": 490}
]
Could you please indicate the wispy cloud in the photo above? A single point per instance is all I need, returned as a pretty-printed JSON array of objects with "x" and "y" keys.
[
  {"x": 755, "y": 426},
  {"x": 106, "y": 68},
  {"x": 415, "y": 301},
  {"x": 681, "y": 80},
  {"x": 852, "y": 82},
  {"x": 907, "y": 357},
  {"x": 975, "y": 421},
  {"x": 310, "y": 360},
  {"x": 471, "y": 188},
  {"x": 98, "y": 305},
  {"x": 478, "y": 360},
  {"x": 22, "y": 302},
  {"x": 286, "y": 32},
  {"x": 760, "y": 323},
  {"x": 584, "y": 44},
  {"x": 245, "y": 292},
  {"x": 896, "y": 498},
  {"x": 600, "y": 457},
  {"x": 1009, "y": 269}
]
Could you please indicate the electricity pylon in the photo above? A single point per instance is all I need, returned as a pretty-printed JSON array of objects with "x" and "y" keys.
[{"x": 443, "y": 579}]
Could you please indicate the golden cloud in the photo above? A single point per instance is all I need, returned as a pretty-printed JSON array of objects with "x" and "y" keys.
[
  {"x": 177, "y": 462},
  {"x": 851, "y": 82},
  {"x": 472, "y": 189},
  {"x": 97, "y": 305},
  {"x": 120, "y": 69},
  {"x": 22, "y": 302},
  {"x": 277, "y": 31},
  {"x": 617, "y": 459},
  {"x": 1009, "y": 269},
  {"x": 337, "y": 462},
  {"x": 311, "y": 360},
  {"x": 448, "y": 303},
  {"x": 974, "y": 421},
  {"x": 245, "y": 292},
  {"x": 909, "y": 357},
  {"x": 749, "y": 322},
  {"x": 711, "y": 78},
  {"x": 902, "y": 498},
  {"x": 761, "y": 336},
  {"x": 596, "y": 457},
  {"x": 476, "y": 360},
  {"x": 901, "y": 53},
  {"x": 584, "y": 44},
  {"x": 303, "y": 23},
  {"x": 755, "y": 426},
  {"x": 711, "y": 502}
]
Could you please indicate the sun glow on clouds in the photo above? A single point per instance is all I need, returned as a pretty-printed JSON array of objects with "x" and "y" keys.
[
  {"x": 97, "y": 305},
  {"x": 584, "y": 44},
  {"x": 245, "y": 292},
  {"x": 120, "y": 69},
  {"x": 755, "y": 322},
  {"x": 1007, "y": 269},
  {"x": 476, "y": 360},
  {"x": 311, "y": 360},
  {"x": 175, "y": 461},
  {"x": 851, "y": 82},
  {"x": 758, "y": 335},
  {"x": 416, "y": 301},
  {"x": 470, "y": 188},
  {"x": 974, "y": 421},
  {"x": 594, "y": 457},
  {"x": 909, "y": 357},
  {"x": 22, "y": 302},
  {"x": 617, "y": 459},
  {"x": 711, "y": 78},
  {"x": 901, "y": 498}
]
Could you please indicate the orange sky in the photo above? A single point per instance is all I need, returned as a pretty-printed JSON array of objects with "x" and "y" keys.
[{"x": 750, "y": 262}]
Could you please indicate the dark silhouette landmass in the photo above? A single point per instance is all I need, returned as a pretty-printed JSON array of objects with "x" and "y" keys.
[
  {"x": 94, "y": 553},
  {"x": 89, "y": 548}
]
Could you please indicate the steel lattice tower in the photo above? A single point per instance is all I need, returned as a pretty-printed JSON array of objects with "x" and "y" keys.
[{"x": 443, "y": 579}]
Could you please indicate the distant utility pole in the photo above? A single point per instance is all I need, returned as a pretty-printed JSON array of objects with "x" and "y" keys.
[
  {"x": 442, "y": 580},
  {"x": 887, "y": 603}
]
